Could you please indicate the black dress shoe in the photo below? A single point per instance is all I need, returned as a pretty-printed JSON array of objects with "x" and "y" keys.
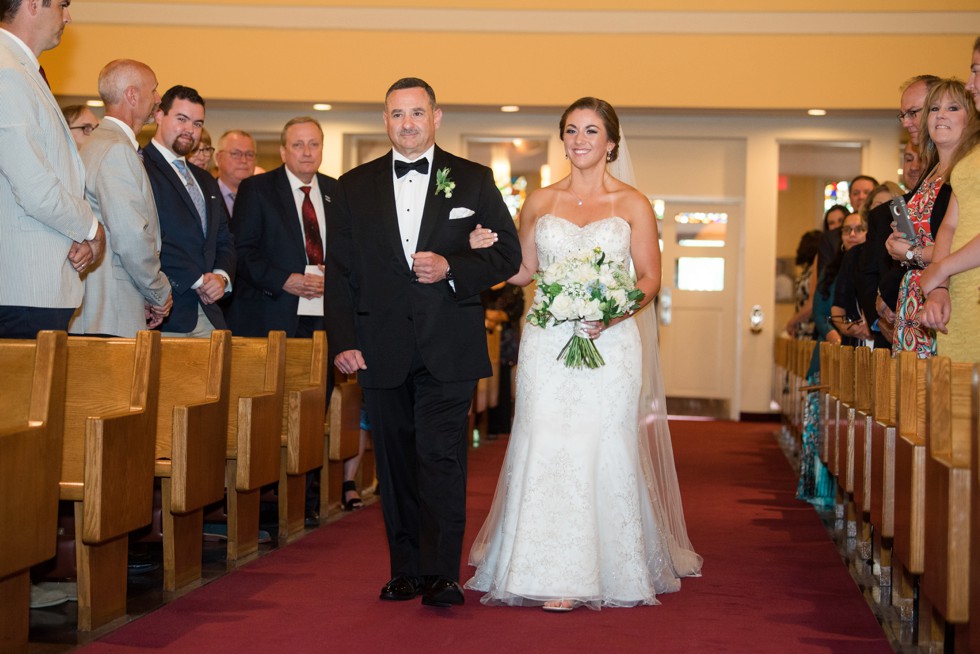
[
  {"x": 443, "y": 592},
  {"x": 400, "y": 589},
  {"x": 312, "y": 519}
]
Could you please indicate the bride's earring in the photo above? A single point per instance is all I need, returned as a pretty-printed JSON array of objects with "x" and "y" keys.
[{"x": 608, "y": 155}]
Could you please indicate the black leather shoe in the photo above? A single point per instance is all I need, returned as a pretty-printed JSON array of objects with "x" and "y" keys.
[
  {"x": 400, "y": 589},
  {"x": 443, "y": 592},
  {"x": 312, "y": 519}
]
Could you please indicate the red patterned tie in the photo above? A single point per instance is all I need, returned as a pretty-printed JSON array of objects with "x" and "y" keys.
[{"x": 311, "y": 230}]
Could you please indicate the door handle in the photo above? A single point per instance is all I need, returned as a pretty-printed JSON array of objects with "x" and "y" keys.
[{"x": 756, "y": 319}]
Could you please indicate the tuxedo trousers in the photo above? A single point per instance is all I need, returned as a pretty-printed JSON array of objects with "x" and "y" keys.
[{"x": 420, "y": 441}]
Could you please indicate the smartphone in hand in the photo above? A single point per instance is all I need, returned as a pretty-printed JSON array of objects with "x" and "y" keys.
[{"x": 900, "y": 216}]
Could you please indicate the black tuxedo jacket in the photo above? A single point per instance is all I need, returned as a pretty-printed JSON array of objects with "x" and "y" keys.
[
  {"x": 271, "y": 246},
  {"x": 373, "y": 302},
  {"x": 187, "y": 252}
]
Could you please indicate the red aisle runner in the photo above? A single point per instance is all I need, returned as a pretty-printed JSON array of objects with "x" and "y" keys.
[{"x": 773, "y": 581}]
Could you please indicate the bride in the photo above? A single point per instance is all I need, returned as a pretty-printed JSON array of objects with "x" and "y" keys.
[{"x": 587, "y": 510}]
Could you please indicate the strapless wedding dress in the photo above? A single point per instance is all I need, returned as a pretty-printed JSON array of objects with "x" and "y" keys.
[{"x": 573, "y": 517}]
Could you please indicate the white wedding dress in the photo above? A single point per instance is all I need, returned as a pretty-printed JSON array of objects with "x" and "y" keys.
[{"x": 579, "y": 511}]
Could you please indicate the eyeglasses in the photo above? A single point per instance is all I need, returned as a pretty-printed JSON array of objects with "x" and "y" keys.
[
  {"x": 87, "y": 128},
  {"x": 238, "y": 154},
  {"x": 853, "y": 229},
  {"x": 206, "y": 149},
  {"x": 910, "y": 114}
]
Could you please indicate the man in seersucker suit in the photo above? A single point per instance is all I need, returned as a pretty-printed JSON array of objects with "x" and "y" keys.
[
  {"x": 403, "y": 311},
  {"x": 48, "y": 234},
  {"x": 125, "y": 291}
]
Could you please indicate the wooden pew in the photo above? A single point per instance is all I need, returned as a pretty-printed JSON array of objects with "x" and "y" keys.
[
  {"x": 859, "y": 463},
  {"x": 343, "y": 439},
  {"x": 973, "y": 632},
  {"x": 839, "y": 456},
  {"x": 829, "y": 371},
  {"x": 882, "y": 462},
  {"x": 952, "y": 420},
  {"x": 303, "y": 415},
  {"x": 258, "y": 370},
  {"x": 32, "y": 408},
  {"x": 108, "y": 461},
  {"x": 910, "y": 487},
  {"x": 191, "y": 437}
]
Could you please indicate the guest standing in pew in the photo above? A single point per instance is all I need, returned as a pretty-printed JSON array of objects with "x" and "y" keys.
[
  {"x": 845, "y": 316},
  {"x": 202, "y": 155},
  {"x": 404, "y": 313},
  {"x": 879, "y": 276},
  {"x": 126, "y": 290},
  {"x": 48, "y": 233},
  {"x": 235, "y": 159},
  {"x": 198, "y": 252},
  {"x": 81, "y": 121},
  {"x": 280, "y": 232},
  {"x": 952, "y": 282},
  {"x": 942, "y": 127}
]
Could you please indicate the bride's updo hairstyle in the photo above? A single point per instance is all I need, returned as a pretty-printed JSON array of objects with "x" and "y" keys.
[{"x": 606, "y": 112}]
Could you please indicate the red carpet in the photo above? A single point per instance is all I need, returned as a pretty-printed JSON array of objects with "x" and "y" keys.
[{"x": 773, "y": 581}]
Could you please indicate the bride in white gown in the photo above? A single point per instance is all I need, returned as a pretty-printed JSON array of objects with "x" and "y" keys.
[{"x": 587, "y": 510}]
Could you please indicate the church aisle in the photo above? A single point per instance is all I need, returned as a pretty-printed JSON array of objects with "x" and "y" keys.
[{"x": 773, "y": 580}]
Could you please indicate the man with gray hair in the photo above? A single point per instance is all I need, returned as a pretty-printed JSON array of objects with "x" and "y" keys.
[
  {"x": 126, "y": 291},
  {"x": 235, "y": 158},
  {"x": 48, "y": 234}
]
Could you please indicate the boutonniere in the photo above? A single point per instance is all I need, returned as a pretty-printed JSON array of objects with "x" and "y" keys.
[{"x": 443, "y": 183}]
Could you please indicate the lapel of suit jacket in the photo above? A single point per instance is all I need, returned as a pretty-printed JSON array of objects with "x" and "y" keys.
[
  {"x": 179, "y": 185},
  {"x": 384, "y": 187},
  {"x": 287, "y": 211},
  {"x": 433, "y": 202}
]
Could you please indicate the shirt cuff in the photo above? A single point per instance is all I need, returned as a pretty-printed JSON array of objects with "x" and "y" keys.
[{"x": 95, "y": 229}]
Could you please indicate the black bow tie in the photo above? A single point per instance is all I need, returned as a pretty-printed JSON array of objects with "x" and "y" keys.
[{"x": 420, "y": 165}]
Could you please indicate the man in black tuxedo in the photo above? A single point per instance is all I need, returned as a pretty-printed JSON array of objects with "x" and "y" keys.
[
  {"x": 197, "y": 252},
  {"x": 280, "y": 234},
  {"x": 403, "y": 311}
]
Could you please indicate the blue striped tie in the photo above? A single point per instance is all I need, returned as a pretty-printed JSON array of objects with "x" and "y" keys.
[{"x": 197, "y": 197}]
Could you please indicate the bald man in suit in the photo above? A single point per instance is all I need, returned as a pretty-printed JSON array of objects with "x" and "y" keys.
[
  {"x": 126, "y": 291},
  {"x": 48, "y": 234}
]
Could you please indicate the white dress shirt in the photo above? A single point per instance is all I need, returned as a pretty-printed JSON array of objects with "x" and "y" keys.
[{"x": 410, "y": 192}]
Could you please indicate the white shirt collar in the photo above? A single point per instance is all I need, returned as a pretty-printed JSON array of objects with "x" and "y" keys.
[
  {"x": 166, "y": 152},
  {"x": 295, "y": 182},
  {"x": 397, "y": 156},
  {"x": 127, "y": 130}
]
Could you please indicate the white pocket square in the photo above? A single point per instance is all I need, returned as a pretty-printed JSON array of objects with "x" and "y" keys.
[{"x": 460, "y": 212}]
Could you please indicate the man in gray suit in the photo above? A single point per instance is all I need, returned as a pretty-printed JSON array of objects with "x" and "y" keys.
[
  {"x": 125, "y": 291},
  {"x": 48, "y": 234}
]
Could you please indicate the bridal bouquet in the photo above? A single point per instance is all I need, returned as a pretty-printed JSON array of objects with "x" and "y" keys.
[{"x": 583, "y": 286}]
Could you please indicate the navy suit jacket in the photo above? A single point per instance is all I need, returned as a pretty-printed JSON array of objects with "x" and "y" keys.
[
  {"x": 187, "y": 252},
  {"x": 271, "y": 246}
]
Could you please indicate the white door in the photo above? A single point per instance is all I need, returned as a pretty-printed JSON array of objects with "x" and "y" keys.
[{"x": 698, "y": 301}]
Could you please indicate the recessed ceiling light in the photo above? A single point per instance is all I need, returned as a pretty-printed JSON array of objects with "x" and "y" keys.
[
  {"x": 321, "y": 106},
  {"x": 817, "y": 112},
  {"x": 95, "y": 103},
  {"x": 510, "y": 108}
]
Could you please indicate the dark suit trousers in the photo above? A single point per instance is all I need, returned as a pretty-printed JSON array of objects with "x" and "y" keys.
[
  {"x": 419, "y": 431},
  {"x": 26, "y": 322}
]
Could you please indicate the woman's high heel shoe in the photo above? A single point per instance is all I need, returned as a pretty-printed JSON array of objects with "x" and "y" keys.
[{"x": 353, "y": 503}]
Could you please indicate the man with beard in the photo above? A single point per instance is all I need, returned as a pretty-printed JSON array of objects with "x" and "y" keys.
[
  {"x": 125, "y": 291},
  {"x": 198, "y": 253}
]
